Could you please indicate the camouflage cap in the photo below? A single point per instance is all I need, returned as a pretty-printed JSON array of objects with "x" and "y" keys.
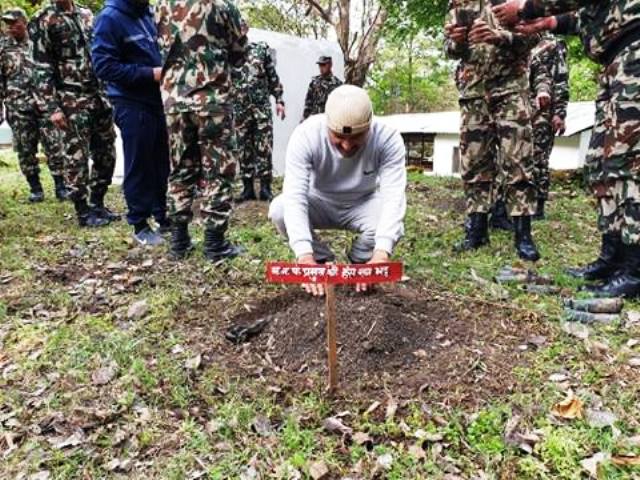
[
  {"x": 349, "y": 110},
  {"x": 324, "y": 59},
  {"x": 13, "y": 14}
]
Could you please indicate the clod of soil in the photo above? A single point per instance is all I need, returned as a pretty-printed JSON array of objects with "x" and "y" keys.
[{"x": 402, "y": 340}]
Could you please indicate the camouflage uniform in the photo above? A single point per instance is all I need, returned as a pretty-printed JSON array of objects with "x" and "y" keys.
[
  {"x": 199, "y": 42},
  {"x": 548, "y": 74},
  {"x": 319, "y": 89},
  {"x": 28, "y": 126},
  {"x": 609, "y": 33},
  {"x": 496, "y": 134},
  {"x": 254, "y": 82},
  {"x": 66, "y": 83}
]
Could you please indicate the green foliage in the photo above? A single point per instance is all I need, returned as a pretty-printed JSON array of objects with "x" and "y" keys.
[
  {"x": 291, "y": 17},
  {"x": 485, "y": 432},
  {"x": 583, "y": 73}
]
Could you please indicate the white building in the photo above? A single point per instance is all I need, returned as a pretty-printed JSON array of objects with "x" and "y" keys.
[{"x": 441, "y": 131}]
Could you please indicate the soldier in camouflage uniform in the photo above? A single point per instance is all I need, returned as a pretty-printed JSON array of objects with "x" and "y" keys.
[
  {"x": 200, "y": 42},
  {"x": 549, "y": 80},
  {"x": 70, "y": 94},
  {"x": 27, "y": 124},
  {"x": 496, "y": 134},
  {"x": 320, "y": 88},
  {"x": 254, "y": 82},
  {"x": 610, "y": 32}
]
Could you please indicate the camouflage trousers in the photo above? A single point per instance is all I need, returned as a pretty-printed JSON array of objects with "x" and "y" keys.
[
  {"x": 613, "y": 162},
  {"x": 201, "y": 146},
  {"x": 496, "y": 145},
  {"x": 544, "y": 140},
  {"x": 254, "y": 134},
  {"x": 29, "y": 128},
  {"x": 89, "y": 135}
]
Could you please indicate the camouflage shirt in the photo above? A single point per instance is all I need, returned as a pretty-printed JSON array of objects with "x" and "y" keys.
[
  {"x": 488, "y": 69},
  {"x": 257, "y": 78},
  {"x": 319, "y": 90},
  {"x": 200, "y": 41},
  {"x": 602, "y": 23},
  {"x": 61, "y": 52},
  {"x": 16, "y": 75},
  {"x": 549, "y": 74}
]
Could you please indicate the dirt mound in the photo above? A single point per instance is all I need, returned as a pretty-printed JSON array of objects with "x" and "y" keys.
[{"x": 398, "y": 339}]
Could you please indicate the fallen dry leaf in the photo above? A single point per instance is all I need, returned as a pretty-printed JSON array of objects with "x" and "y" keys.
[
  {"x": 138, "y": 310},
  {"x": 360, "y": 438},
  {"x": 334, "y": 425},
  {"x": 417, "y": 452},
  {"x": 631, "y": 461},
  {"x": 570, "y": 408},
  {"x": 392, "y": 408},
  {"x": 318, "y": 470},
  {"x": 592, "y": 464},
  {"x": 372, "y": 408},
  {"x": 193, "y": 363},
  {"x": 104, "y": 375}
]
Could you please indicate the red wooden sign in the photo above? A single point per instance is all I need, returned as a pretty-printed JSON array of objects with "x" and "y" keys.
[{"x": 332, "y": 274}]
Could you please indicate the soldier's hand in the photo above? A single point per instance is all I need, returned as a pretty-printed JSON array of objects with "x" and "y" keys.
[
  {"x": 508, "y": 12},
  {"x": 559, "y": 125},
  {"x": 456, "y": 33},
  {"x": 483, "y": 33},
  {"x": 280, "y": 111},
  {"x": 315, "y": 289},
  {"x": 543, "y": 100},
  {"x": 534, "y": 27},
  {"x": 59, "y": 120},
  {"x": 157, "y": 74}
]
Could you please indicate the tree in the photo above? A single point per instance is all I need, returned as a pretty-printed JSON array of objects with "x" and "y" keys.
[{"x": 291, "y": 17}]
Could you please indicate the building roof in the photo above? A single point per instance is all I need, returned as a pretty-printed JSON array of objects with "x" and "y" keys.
[{"x": 580, "y": 117}]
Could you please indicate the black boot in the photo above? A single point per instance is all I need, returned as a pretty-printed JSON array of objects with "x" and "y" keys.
[
  {"x": 248, "y": 192},
  {"x": 265, "y": 189},
  {"x": 609, "y": 260},
  {"x": 181, "y": 245},
  {"x": 476, "y": 229},
  {"x": 539, "y": 210},
  {"x": 499, "y": 218},
  {"x": 625, "y": 283},
  {"x": 87, "y": 217},
  {"x": 60, "y": 189},
  {"x": 527, "y": 250},
  {"x": 216, "y": 247},
  {"x": 96, "y": 202},
  {"x": 37, "y": 194}
]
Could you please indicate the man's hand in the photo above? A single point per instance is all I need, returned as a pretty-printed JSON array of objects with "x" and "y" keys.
[
  {"x": 315, "y": 289},
  {"x": 543, "y": 100},
  {"x": 59, "y": 120},
  {"x": 558, "y": 124},
  {"x": 379, "y": 256},
  {"x": 507, "y": 13},
  {"x": 481, "y": 32},
  {"x": 456, "y": 33},
  {"x": 280, "y": 110},
  {"x": 539, "y": 25},
  {"x": 157, "y": 74}
]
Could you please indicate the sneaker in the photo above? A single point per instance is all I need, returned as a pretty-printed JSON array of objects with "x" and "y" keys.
[{"x": 148, "y": 237}]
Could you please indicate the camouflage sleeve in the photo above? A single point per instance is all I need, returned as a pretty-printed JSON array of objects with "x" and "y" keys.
[
  {"x": 275, "y": 87},
  {"x": 453, "y": 49},
  {"x": 540, "y": 76},
  {"x": 544, "y": 8},
  {"x": 308, "y": 102},
  {"x": 520, "y": 44},
  {"x": 44, "y": 58},
  {"x": 236, "y": 40},
  {"x": 561, "y": 81},
  {"x": 161, "y": 14},
  {"x": 3, "y": 84}
]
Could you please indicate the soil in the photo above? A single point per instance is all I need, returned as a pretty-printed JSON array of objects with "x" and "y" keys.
[{"x": 404, "y": 341}]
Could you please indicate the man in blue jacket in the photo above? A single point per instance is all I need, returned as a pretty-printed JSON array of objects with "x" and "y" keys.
[{"x": 125, "y": 55}]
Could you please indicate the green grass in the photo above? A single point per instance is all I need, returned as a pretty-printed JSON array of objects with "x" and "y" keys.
[{"x": 170, "y": 422}]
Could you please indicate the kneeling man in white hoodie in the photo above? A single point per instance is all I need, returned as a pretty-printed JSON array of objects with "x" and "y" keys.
[{"x": 344, "y": 170}]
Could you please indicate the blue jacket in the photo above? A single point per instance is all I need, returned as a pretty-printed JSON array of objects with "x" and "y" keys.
[{"x": 124, "y": 52}]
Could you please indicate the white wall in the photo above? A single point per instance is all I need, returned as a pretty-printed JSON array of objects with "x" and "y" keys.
[
  {"x": 296, "y": 64},
  {"x": 443, "y": 147}
]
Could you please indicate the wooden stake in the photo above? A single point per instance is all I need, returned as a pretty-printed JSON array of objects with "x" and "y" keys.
[{"x": 332, "y": 336}]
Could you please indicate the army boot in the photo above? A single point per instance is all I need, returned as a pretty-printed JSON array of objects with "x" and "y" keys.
[
  {"x": 626, "y": 282},
  {"x": 499, "y": 218},
  {"x": 265, "y": 189},
  {"x": 181, "y": 245},
  {"x": 87, "y": 217},
  {"x": 37, "y": 194},
  {"x": 607, "y": 263},
  {"x": 248, "y": 192},
  {"x": 60, "y": 188},
  {"x": 216, "y": 247},
  {"x": 476, "y": 229},
  {"x": 525, "y": 246},
  {"x": 96, "y": 202}
]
